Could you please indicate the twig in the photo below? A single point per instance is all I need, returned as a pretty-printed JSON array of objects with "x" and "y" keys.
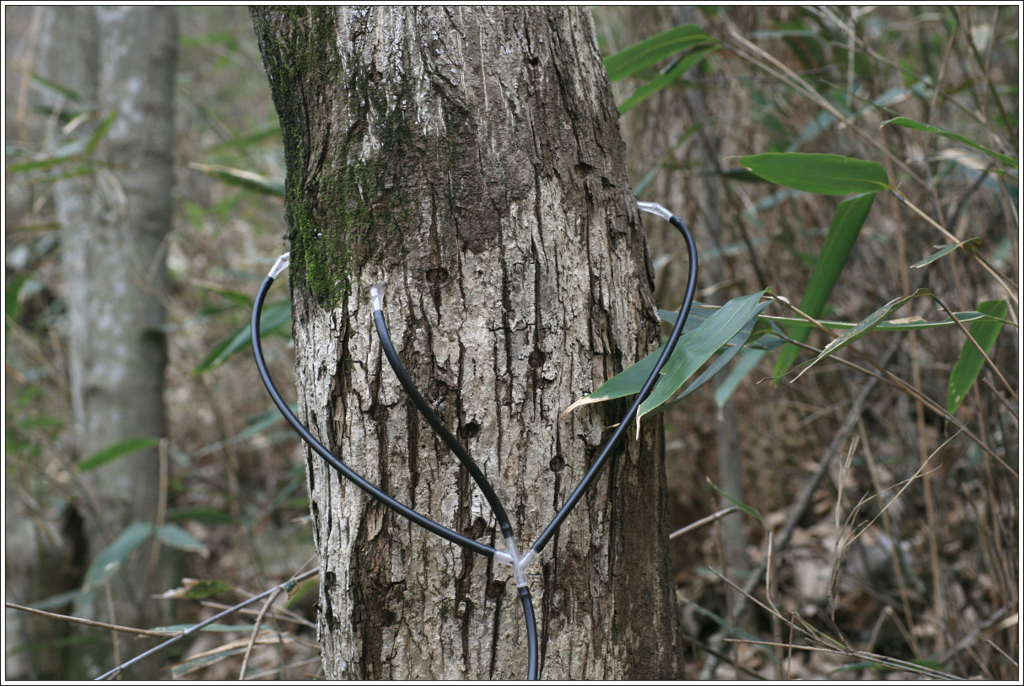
[
  {"x": 868, "y": 657},
  {"x": 701, "y": 522},
  {"x": 89, "y": 622},
  {"x": 113, "y": 616},
  {"x": 196, "y": 627},
  {"x": 293, "y": 665},
  {"x": 1007, "y": 285},
  {"x": 803, "y": 501},
  {"x": 1001, "y": 651},
  {"x": 896, "y": 382},
  {"x": 279, "y": 613},
  {"x": 724, "y": 658},
  {"x": 256, "y": 631}
]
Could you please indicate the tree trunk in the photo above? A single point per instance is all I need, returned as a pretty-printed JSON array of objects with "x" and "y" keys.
[
  {"x": 114, "y": 220},
  {"x": 470, "y": 157}
]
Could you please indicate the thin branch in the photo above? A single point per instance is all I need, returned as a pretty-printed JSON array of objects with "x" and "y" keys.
[
  {"x": 256, "y": 631},
  {"x": 196, "y": 627},
  {"x": 701, "y": 522},
  {"x": 89, "y": 622}
]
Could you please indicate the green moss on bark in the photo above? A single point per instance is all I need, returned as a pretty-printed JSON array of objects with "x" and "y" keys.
[{"x": 343, "y": 205}]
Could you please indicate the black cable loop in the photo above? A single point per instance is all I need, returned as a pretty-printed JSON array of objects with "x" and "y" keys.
[
  {"x": 439, "y": 428},
  {"x": 510, "y": 556},
  {"x": 620, "y": 432},
  {"x": 410, "y": 514}
]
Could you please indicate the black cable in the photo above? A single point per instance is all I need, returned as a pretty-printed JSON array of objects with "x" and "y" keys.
[
  {"x": 627, "y": 421},
  {"x": 531, "y": 633},
  {"x": 519, "y": 565},
  {"x": 413, "y": 516},
  {"x": 438, "y": 426}
]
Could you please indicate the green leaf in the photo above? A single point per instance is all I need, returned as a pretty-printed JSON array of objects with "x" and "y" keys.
[
  {"x": 240, "y": 177},
  {"x": 247, "y": 139},
  {"x": 863, "y": 327},
  {"x": 818, "y": 173},
  {"x": 38, "y": 164},
  {"x": 744, "y": 508},
  {"x": 100, "y": 132},
  {"x": 233, "y": 296},
  {"x": 651, "y": 51},
  {"x": 918, "y": 126},
  {"x": 134, "y": 535},
  {"x": 971, "y": 243},
  {"x": 273, "y": 318},
  {"x": 663, "y": 80},
  {"x": 57, "y": 89},
  {"x": 176, "y": 537},
  {"x": 116, "y": 451},
  {"x": 207, "y": 588},
  {"x": 12, "y": 305},
  {"x": 731, "y": 349},
  {"x": 696, "y": 347},
  {"x": 748, "y": 359},
  {"x": 842, "y": 234},
  {"x": 965, "y": 371},
  {"x": 630, "y": 380}
]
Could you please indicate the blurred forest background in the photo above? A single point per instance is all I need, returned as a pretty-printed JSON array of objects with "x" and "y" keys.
[{"x": 887, "y": 541}]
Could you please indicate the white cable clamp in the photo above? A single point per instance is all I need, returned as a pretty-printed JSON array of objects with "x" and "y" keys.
[
  {"x": 377, "y": 295},
  {"x": 279, "y": 266},
  {"x": 510, "y": 556},
  {"x": 655, "y": 208}
]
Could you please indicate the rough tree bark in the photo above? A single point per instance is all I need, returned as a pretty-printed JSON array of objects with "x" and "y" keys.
[
  {"x": 471, "y": 157},
  {"x": 114, "y": 220}
]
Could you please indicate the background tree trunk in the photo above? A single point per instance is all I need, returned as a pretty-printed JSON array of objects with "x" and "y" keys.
[
  {"x": 472, "y": 158},
  {"x": 114, "y": 221}
]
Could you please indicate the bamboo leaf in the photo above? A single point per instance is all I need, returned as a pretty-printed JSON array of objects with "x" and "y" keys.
[
  {"x": 39, "y": 164},
  {"x": 970, "y": 243},
  {"x": 100, "y": 132},
  {"x": 116, "y": 451},
  {"x": 907, "y": 324},
  {"x": 240, "y": 177},
  {"x": 919, "y": 126},
  {"x": 273, "y": 318},
  {"x": 745, "y": 508},
  {"x": 134, "y": 535},
  {"x": 969, "y": 365},
  {"x": 731, "y": 349},
  {"x": 176, "y": 537},
  {"x": 818, "y": 173},
  {"x": 864, "y": 327},
  {"x": 697, "y": 347},
  {"x": 748, "y": 359},
  {"x": 12, "y": 304},
  {"x": 651, "y": 51},
  {"x": 631, "y": 380},
  {"x": 247, "y": 139},
  {"x": 663, "y": 80},
  {"x": 842, "y": 235}
]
